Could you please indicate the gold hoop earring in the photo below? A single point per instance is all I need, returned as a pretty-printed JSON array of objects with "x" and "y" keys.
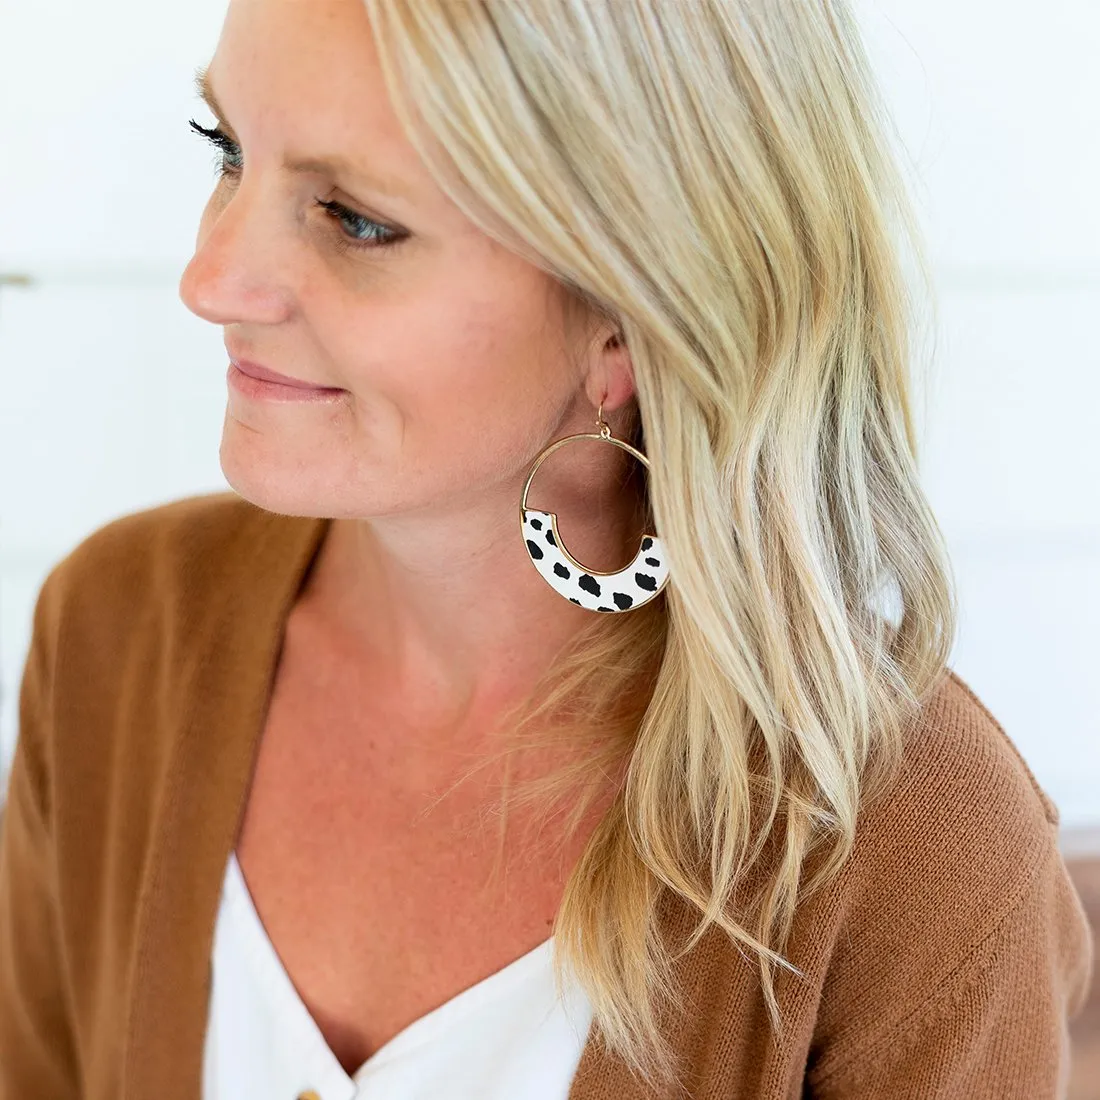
[{"x": 624, "y": 589}]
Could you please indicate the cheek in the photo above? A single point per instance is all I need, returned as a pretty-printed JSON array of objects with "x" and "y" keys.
[{"x": 464, "y": 377}]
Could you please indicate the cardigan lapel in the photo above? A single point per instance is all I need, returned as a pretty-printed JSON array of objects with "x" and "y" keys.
[
  {"x": 219, "y": 716},
  {"x": 220, "y": 713}
]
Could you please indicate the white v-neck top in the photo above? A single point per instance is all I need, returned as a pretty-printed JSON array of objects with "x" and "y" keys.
[{"x": 508, "y": 1037}]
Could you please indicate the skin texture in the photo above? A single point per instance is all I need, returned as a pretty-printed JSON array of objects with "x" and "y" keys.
[{"x": 456, "y": 363}]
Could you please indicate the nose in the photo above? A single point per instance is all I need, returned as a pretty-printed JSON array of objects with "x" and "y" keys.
[{"x": 234, "y": 274}]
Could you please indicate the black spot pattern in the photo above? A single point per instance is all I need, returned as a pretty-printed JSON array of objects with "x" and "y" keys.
[
  {"x": 623, "y": 592},
  {"x": 588, "y": 583}
]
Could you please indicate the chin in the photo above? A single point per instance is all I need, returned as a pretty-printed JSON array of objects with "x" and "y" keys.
[{"x": 269, "y": 484}]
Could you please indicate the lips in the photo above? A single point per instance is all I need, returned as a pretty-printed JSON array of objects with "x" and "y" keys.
[{"x": 265, "y": 374}]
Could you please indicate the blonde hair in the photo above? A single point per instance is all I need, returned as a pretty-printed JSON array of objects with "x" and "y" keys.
[{"x": 716, "y": 177}]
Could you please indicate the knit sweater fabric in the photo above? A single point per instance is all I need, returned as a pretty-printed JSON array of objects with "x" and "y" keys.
[{"x": 946, "y": 959}]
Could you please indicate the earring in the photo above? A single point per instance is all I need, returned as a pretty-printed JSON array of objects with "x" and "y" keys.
[{"x": 622, "y": 590}]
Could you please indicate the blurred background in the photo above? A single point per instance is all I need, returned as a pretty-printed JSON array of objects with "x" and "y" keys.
[{"x": 113, "y": 393}]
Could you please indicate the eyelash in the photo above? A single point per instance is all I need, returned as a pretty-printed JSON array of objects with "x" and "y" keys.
[{"x": 338, "y": 210}]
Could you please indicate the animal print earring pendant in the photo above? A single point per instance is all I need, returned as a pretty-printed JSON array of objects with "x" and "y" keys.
[{"x": 625, "y": 589}]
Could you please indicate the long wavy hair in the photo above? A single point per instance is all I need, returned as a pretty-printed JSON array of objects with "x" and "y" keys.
[{"x": 717, "y": 179}]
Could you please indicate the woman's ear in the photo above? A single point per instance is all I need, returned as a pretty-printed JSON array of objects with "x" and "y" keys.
[{"x": 611, "y": 377}]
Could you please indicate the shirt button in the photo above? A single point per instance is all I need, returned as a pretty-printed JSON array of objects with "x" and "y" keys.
[{"x": 309, "y": 1094}]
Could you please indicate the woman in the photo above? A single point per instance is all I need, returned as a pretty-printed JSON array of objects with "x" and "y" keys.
[{"x": 313, "y": 775}]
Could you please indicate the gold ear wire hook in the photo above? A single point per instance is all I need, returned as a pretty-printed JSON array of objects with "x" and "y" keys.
[{"x": 605, "y": 428}]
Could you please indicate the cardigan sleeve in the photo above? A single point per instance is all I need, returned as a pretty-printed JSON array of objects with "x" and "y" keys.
[
  {"x": 37, "y": 1045},
  {"x": 996, "y": 1028}
]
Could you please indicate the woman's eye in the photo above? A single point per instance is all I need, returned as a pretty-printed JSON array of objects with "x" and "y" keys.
[
  {"x": 358, "y": 231},
  {"x": 365, "y": 232},
  {"x": 219, "y": 139}
]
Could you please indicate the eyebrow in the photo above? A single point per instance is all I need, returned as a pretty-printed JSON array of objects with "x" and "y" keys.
[{"x": 333, "y": 165}]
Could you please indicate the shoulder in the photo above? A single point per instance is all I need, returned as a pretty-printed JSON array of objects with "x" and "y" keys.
[
  {"x": 101, "y": 605},
  {"x": 958, "y": 728},
  {"x": 167, "y": 544},
  {"x": 952, "y": 846},
  {"x": 965, "y": 816},
  {"x": 126, "y": 620},
  {"x": 954, "y": 881},
  {"x": 961, "y": 835},
  {"x": 138, "y": 598},
  {"x": 167, "y": 560}
]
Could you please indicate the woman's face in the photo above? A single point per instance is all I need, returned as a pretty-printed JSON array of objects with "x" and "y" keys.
[{"x": 447, "y": 349}]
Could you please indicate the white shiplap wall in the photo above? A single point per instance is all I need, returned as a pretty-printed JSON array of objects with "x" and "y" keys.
[{"x": 113, "y": 393}]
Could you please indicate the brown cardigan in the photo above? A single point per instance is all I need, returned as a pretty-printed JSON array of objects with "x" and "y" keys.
[{"x": 944, "y": 962}]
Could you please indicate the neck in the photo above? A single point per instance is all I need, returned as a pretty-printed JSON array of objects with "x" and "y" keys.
[{"x": 444, "y": 602}]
